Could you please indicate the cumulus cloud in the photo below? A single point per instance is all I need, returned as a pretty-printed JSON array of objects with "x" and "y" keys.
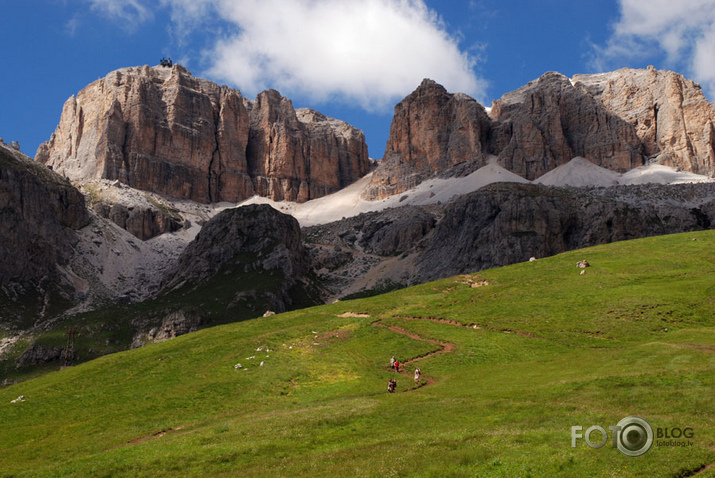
[
  {"x": 684, "y": 31},
  {"x": 369, "y": 51}
]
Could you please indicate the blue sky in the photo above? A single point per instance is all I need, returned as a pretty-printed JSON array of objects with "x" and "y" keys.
[{"x": 351, "y": 59}]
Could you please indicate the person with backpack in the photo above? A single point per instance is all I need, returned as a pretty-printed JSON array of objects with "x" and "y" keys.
[
  {"x": 392, "y": 363},
  {"x": 418, "y": 374},
  {"x": 397, "y": 366}
]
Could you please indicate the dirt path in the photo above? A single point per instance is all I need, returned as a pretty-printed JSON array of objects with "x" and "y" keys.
[
  {"x": 702, "y": 470},
  {"x": 470, "y": 326},
  {"x": 445, "y": 347},
  {"x": 152, "y": 436}
]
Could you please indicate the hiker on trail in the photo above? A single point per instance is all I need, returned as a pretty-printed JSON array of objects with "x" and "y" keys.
[
  {"x": 392, "y": 362},
  {"x": 397, "y": 366},
  {"x": 391, "y": 385},
  {"x": 418, "y": 373}
]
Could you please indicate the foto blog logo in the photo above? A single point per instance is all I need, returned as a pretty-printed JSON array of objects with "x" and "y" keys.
[{"x": 633, "y": 436}]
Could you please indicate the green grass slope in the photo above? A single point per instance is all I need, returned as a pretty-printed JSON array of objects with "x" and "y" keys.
[{"x": 537, "y": 350}]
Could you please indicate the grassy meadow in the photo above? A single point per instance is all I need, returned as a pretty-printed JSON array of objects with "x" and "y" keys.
[{"x": 531, "y": 350}]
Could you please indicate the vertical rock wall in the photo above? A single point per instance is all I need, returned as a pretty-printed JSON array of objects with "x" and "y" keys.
[{"x": 162, "y": 130}]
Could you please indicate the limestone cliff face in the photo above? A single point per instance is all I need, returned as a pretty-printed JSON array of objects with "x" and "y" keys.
[
  {"x": 619, "y": 120},
  {"x": 432, "y": 130},
  {"x": 301, "y": 154},
  {"x": 549, "y": 121},
  {"x": 39, "y": 212},
  {"x": 163, "y": 130},
  {"x": 668, "y": 112}
]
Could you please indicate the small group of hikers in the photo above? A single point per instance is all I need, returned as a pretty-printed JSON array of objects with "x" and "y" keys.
[{"x": 395, "y": 365}]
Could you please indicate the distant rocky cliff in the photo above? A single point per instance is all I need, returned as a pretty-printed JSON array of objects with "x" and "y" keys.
[
  {"x": 432, "y": 131},
  {"x": 619, "y": 120},
  {"x": 39, "y": 213},
  {"x": 162, "y": 130},
  {"x": 506, "y": 223},
  {"x": 672, "y": 119},
  {"x": 498, "y": 225},
  {"x": 142, "y": 214},
  {"x": 549, "y": 121}
]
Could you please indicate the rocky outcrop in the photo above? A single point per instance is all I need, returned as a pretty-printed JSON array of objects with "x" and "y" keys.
[
  {"x": 162, "y": 130},
  {"x": 37, "y": 354},
  {"x": 669, "y": 113},
  {"x": 142, "y": 222},
  {"x": 432, "y": 130},
  {"x": 498, "y": 225},
  {"x": 386, "y": 233},
  {"x": 39, "y": 213},
  {"x": 366, "y": 252},
  {"x": 549, "y": 121},
  {"x": 175, "y": 324},
  {"x": 506, "y": 223},
  {"x": 255, "y": 247},
  {"x": 619, "y": 120},
  {"x": 142, "y": 214}
]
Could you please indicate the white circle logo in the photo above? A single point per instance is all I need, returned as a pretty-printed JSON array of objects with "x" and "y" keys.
[{"x": 634, "y": 436}]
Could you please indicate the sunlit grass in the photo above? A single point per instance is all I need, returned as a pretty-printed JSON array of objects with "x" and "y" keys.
[{"x": 551, "y": 349}]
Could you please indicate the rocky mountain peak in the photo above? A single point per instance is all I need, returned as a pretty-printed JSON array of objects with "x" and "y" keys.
[
  {"x": 619, "y": 120},
  {"x": 163, "y": 130},
  {"x": 432, "y": 130},
  {"x": 549, "y": 121},
  {"x": 429, "y": 86},
  {"x": 551, "y": 80}
]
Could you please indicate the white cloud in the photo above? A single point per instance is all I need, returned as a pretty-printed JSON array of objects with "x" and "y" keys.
[
  {"x": 370, "y": 52},
  {"x": 72, "y": 25},
  {"x": 367, "y": 51},
  {"x": 683, "y": 30},
  {"x": 130, "y": 11},
  {"x": 187, "y": 15}
]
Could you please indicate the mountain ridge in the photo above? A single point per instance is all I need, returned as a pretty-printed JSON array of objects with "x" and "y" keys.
[
  {"x": 163, "y": 130},
  {"x": 618, "y": 120}
]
